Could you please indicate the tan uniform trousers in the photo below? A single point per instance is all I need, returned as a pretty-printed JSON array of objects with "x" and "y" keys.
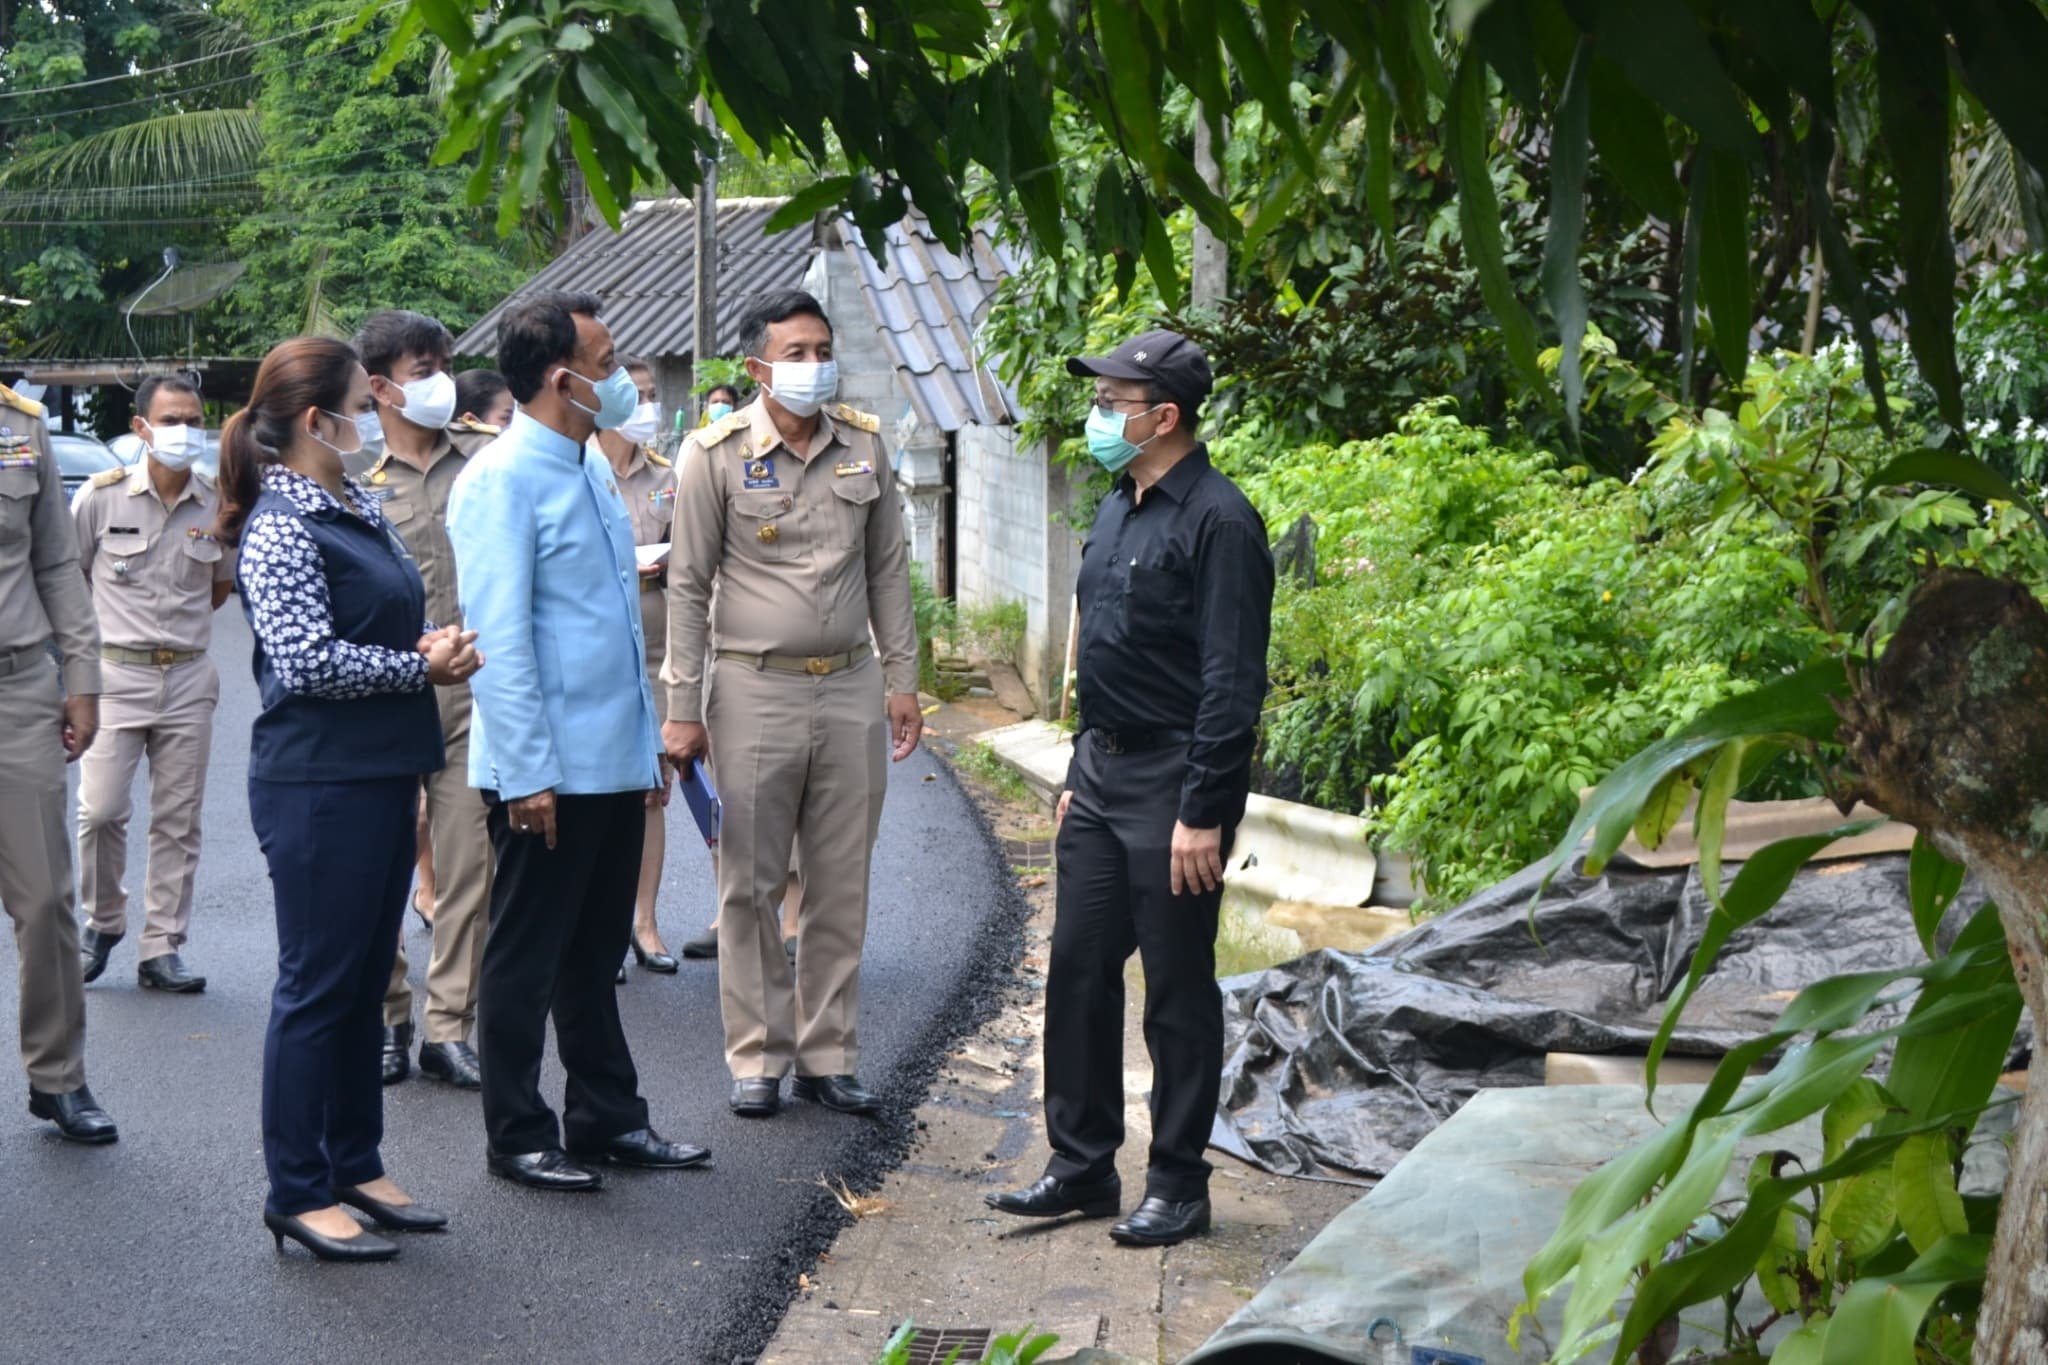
[
  {"x": 796, "y": 759},
  {"x": 166, "y": 716},
  {"x": 462, "y": 889},
  {"x": 35, "y": 878}
]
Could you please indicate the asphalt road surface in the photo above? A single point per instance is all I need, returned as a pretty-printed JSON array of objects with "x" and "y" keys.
[{"x": 153, "y": 1249}]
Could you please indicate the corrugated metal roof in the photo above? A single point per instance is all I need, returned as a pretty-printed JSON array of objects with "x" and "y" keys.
[
  {"x": 926, "y": 303},
  {"x": 642, "y": 272}
]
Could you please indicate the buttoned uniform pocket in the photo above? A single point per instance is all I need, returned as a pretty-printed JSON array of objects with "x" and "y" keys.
[
  {"x": 17, "y": 501},
  {"x": 121, "y": 548},
  {"x": 853, "y": 499},
  {"x": 199, "y": 562},
  {"x": 1158, "y": 603},
  {"x": 762, "y": 526}
]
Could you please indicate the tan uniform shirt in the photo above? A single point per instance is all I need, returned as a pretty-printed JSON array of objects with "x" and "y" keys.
[
  {"x": 806, "y": 548},
  {"x": 42, "y": 594},
  {"x": 415, "y": 502},
  {"x": 649, "y": 487},
  {"x": 152, "y": 568}
]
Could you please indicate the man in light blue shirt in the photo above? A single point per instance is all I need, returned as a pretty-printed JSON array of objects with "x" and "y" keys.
[{"x": 564, "y": 746}]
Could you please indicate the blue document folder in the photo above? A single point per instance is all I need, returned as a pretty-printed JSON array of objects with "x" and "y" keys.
[{"x": 702, "y": 799}]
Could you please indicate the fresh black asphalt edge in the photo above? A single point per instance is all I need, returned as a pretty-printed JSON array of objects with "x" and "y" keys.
[{"x": 882, "y": 1143}]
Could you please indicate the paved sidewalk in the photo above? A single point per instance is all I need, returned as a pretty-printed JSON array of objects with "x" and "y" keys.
[{"x": 924, "y": 1246}]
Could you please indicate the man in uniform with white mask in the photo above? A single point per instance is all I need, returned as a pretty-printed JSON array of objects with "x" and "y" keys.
[
  {"x": 407, "y": 357},
  {"x": 157, "y": 572},
  {"x": 789, "y": 508}
]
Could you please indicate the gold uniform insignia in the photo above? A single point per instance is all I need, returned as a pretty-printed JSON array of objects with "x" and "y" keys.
[
  {"x": 758, "y": 469},
  {"x": 769, "y": 534},
  {"x": 659, "y": 460},
  {"x": 14, "y": 400},
  {"x": 854, "y": 417},
  {"x": 380, "y": 477},
  {"x": 851, "y": 468},
  {"x": 107, "y": 478}
]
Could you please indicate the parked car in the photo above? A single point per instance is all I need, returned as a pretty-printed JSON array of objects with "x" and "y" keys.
[{"x": 79, "y": 458}]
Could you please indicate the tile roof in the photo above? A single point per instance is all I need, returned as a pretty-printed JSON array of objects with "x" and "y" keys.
[
  {"x": 926, "y": 304},
  {"x": 643, "y": 274}
]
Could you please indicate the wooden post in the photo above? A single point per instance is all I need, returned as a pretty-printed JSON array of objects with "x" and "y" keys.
[{"x": 704, "y": 333}]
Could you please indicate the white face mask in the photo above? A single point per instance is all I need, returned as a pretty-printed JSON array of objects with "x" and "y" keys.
[
  {"x": 641, "y": 427},
  {"x": 369, "y": 431},
  {"x": 175, "y": 445},
  {"x": 803, "y": 386},
  {"x": 429, "y": 402}
]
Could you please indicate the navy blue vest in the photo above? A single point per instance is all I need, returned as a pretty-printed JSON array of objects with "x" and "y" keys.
[{"x": 377, "y": 598}]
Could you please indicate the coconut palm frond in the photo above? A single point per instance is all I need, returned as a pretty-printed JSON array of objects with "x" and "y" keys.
[
  {"x": 190, "y": 160},
  {"x": 1998, "y": 197}
]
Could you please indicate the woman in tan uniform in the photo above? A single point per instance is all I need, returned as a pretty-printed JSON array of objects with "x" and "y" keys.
[{"x": 648, "y": 483}]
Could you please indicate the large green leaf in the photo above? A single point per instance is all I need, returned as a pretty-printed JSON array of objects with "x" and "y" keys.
[
  {"x": 1924, "y": 1191},
  {"x": 1844, "y": 278},
  {"x": 1629, "y": 135},
  {"x": 1561, "y": 283},
  {"x": 1710, "y": 818},
  {"x": 1940, "y": 1069},
  {"x": 1914, "y": 105},
  {"x": 1660, "y": 46},
  {"x": 1479, "y": 216},
  {"x": 1724, "y": 185},
  {"x": 2003, "y": 48},
  {"x": 1932, "y": 882},
  {"x": 1947, "y": 469},
  {"x": 1878, "y": 1320},
  {"x": 1794, "y": 44}
]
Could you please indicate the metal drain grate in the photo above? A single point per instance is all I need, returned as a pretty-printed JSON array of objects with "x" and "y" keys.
[{"x": 936, "y": 1345}]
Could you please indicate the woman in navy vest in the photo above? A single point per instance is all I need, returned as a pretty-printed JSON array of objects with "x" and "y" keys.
[{"x": 344, "y": 661}]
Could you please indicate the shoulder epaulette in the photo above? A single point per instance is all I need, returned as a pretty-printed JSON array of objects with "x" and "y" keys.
[
  {"x": 107, "y": 478},
  {"x": 375, "y": 473},
  {"x": 480, "y": 428},
  {"x": 853, "y": 416},
  {"x": 16, "y": 401},
  {"x": 722, "y": 428},
  {"x": 655, "y": 457}
]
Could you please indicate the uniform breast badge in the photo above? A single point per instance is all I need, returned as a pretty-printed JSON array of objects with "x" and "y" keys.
[
  {"x": 852, "y": 467},
  {"x": 769, "y": 534},
  {"x": 761, "y": 473}
]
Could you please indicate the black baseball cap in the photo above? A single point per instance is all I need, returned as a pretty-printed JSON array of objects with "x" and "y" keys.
[{"x": 1167, "y": 359}]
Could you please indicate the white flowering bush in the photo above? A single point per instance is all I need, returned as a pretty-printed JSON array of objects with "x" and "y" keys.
[{"x": 2002, "y": 348}]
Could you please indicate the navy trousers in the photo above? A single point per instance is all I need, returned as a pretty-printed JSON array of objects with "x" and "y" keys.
[
  {"x": 1115, "y": 898},
  {"x": 341, "y": 857}
]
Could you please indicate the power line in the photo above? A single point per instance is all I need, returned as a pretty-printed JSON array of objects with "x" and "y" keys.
[
  {"x": 189, "y": 61},
  {"x": 157, "y": 98},
  {"x": 181, "y": 187}
]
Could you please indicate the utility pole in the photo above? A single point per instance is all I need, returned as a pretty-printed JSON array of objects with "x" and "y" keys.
[
  {"x": 1211, "y": 282},
  {"x": 704, "y": 337}
]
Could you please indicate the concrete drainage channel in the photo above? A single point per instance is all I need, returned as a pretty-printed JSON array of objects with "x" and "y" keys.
[{"x": 861, "y": 1161}]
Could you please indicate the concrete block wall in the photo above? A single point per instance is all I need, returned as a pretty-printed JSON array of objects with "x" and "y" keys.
[{"x": 1014, "y": 543}]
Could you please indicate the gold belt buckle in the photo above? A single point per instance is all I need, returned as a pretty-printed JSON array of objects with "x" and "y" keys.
[
  {"x": 163, "y": 658},
  {"x": 817, "y": 667}
]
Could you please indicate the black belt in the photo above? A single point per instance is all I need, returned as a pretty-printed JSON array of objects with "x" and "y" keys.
[{"x": 1140, "y": 741}]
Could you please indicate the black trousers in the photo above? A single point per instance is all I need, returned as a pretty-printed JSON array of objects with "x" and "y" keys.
[
  {"x": 1114, "y": 898},
  {"x": 340, "y": 856},
  {"x": 560, "y": 920}
]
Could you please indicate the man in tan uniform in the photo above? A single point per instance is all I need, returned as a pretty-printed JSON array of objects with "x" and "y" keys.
[
  {"x": 791, "y": 510},
  {"x": 43, "y": 597},
  {"x": 407, "y": 355},
  {"x": 146, "y": 542}
]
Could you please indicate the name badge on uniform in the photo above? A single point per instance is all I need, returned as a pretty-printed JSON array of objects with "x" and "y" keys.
[
  {"x": 379, "y": 496},
  {"x": 761, "y": 473},
  {"x": 853, "y": 467}
]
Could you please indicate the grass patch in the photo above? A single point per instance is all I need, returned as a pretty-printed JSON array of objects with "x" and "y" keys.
[{"x": 978, "y": 761}]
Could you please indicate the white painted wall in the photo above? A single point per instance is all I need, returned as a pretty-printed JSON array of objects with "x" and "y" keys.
[{"x": 1014, "y": 545}]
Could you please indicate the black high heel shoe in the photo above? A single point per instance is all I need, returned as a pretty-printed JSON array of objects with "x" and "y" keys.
[
  {"x": 364, "y": 1246},
  {"x": 394, "y": 1217},
  {"x": 664, "y": 963}
]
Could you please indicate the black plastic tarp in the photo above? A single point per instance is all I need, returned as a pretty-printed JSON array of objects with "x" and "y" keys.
[{"x": 1338, "y": 1063}]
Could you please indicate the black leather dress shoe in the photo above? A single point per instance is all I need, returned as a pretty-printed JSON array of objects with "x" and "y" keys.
[
  {"x": 655, "y": 962},
  {"x": 94, "y": 949},
  {"x": 364, "y": 1246},
  {"x": 76, "y": 1113},
  {"x": 843, "y": 1093},
  {"x": 1055, "y": 1198},
  {"x": 397, "y": 1054},
  {"x": 393, "y": 1217},
  {"x": 1161, "y": 1223},
  {"x": 168, "y": 973},
  {"x": 453, "y": 1063},
  {"x": 548, "y": 1170},
  {"x": 647, "y": 1149},
  {"x": 757, "y": 1097},
  {"x": 703, "y": 946}
]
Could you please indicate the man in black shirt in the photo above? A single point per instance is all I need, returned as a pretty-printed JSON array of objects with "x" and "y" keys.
[{"x": 1176, "y": 601}]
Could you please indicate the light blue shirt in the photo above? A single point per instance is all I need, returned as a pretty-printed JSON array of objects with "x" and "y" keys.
[{"x": 547, "y": 580}]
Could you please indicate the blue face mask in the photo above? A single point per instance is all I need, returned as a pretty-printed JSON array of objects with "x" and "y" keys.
[
  {"x": 617, "y": 397},
  {"x": 1106, "y": 441},
  {"x": 715, "y": 412}
]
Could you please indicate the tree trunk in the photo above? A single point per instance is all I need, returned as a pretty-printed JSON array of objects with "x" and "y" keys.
[{"x": 1949, "y": 732}]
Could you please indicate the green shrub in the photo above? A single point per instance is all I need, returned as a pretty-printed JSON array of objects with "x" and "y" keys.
[
  {"x": 995, "y": 629},
  {"x": 936, "y": 618}
]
